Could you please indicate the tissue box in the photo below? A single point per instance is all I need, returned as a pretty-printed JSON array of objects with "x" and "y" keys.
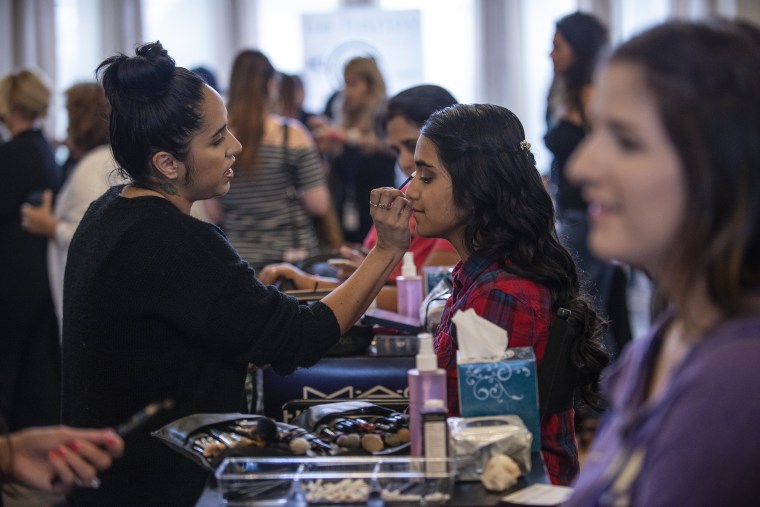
[{"x": 508, "y": 386}]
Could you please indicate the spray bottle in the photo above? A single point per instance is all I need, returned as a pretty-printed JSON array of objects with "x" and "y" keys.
[
  {"x": 426, "y": 382},
  {"x": 409, "y": 288}
]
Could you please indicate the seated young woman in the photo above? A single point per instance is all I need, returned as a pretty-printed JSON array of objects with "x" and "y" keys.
[{"x": 477, "y": 186}]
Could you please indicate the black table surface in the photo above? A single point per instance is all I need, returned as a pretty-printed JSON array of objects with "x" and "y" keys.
[{"x": 466, "y": 494}]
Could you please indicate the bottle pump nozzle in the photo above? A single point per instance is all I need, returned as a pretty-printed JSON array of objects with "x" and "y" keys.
[
  {"x": 426, "y": 359},
  {"x": 408, "y": 268}
]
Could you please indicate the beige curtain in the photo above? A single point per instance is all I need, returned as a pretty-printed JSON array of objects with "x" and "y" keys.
[
  {"x": 498, "y": 50},
  {"x": 121, "y": 26},
  {"x": 28, "y": 28},
  {"x": 32, "y": 29}
]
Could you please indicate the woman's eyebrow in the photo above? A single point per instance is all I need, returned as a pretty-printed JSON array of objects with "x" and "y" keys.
[
  {"x": 218, "y": 132},
  {"x": 621, "y": 127}
]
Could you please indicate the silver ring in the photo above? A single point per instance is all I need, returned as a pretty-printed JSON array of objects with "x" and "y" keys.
[
  {"x": 373, "y": 204},
  {"x": 382, "y": 206},
  {"x": 93, "y": 483}
]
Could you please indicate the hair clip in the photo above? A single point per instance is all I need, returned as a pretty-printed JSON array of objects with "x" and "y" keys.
[{"x": 524, "y": 145}]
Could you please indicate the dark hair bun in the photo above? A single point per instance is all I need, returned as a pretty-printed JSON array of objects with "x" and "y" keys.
[{"x": 140, "y": 78}]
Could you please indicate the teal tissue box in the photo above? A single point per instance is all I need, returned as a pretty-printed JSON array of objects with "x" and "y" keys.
[{"x": 508, "y": 386}]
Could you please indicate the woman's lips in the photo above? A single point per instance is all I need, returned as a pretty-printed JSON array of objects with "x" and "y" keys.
[
  {"x": 229, "y": 174},
  {"x": 597, "y": 211}
]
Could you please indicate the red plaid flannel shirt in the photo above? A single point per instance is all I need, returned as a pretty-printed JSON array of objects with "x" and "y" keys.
[{"x": 523, "y": 308}]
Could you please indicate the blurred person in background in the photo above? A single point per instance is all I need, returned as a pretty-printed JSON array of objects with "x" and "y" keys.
[
  {"x": 88, "y": 111},
  {"x": 359, "y": 158},
  {"x": 579, "y": 41},
  {"x": 290, "y": 100},
  {"x": 280, "y": 182},
  {"x": 208, "y": 76},
  {"x": 29, "y": 348}
]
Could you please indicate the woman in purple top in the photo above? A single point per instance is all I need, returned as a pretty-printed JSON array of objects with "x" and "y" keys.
[{"x": 671, "y": 172}]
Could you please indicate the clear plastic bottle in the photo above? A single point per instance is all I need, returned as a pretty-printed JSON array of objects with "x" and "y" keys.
[
  {"x": 426, "y": 382},
  {"x": 409, "y": 288}
]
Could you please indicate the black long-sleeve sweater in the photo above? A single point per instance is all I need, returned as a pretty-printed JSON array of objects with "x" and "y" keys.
[{"x": 158, "y": 305}]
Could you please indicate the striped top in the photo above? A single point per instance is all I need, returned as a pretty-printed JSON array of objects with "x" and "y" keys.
[{"x": 260, "y": 220}]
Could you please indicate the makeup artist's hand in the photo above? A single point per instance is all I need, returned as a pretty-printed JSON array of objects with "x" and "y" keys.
[
  {"x": 56, "y": 458},
  {"x": 391, "y": 211}
]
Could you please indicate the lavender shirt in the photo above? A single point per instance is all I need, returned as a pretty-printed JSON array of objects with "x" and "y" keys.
[{"x": 699, "y": 444}]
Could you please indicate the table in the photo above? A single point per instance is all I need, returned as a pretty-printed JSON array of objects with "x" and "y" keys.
[
  {"x": 466, "y": 494},
  {"x": 380, "y": 377}
]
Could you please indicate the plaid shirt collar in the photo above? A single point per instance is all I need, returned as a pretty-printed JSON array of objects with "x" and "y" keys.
[{"x": 465, "y": 273}]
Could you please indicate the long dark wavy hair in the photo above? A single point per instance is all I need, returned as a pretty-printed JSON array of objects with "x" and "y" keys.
[{"x": 511, "y": 218}]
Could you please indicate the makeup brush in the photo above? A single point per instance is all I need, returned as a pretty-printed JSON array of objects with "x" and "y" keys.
[
  {"x": 411, "y": 176},
  {"x": 143, "y": 416}
]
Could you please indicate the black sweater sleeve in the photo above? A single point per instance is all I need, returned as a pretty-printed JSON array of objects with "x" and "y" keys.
[{"x": 205, "y": 290}]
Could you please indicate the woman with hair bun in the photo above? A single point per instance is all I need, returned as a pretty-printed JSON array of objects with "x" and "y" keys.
[{"x": 158, "y": 305}]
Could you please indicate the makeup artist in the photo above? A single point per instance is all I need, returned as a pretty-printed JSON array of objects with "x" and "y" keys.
[{"x": 158, "y": 304}]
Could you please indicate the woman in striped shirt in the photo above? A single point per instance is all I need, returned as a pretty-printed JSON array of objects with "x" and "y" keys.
[{"x": 280, "y": 182}]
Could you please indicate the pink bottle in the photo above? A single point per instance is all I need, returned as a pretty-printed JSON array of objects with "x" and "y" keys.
[
  {"x": 426, "y": 382},
  {"x": 409, "y": 288}
]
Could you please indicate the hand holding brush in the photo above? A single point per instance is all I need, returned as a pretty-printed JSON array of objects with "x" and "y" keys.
[{"x": 77, "y": 461}]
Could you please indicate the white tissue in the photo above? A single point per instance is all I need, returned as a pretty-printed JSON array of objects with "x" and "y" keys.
[
  {"x": 501, "y": 473},
  {"x": 479, "y": 339}
]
